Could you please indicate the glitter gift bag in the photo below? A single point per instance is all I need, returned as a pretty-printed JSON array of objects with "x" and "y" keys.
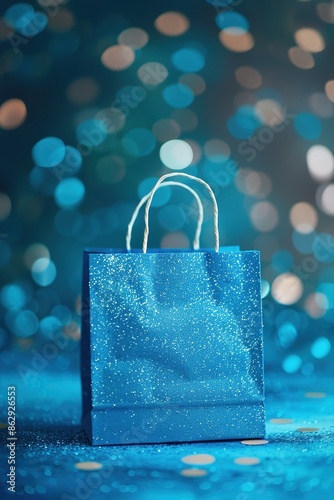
[{"x": 172, "y": 341}]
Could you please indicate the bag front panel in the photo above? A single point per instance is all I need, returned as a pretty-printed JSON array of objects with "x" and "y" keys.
[{"x": 175, "y": 328}]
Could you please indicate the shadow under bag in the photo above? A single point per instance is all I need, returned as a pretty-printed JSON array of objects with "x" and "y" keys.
[{"x": 172, "y": 341}]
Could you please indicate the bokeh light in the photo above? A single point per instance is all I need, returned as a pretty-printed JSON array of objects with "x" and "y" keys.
[
  {"x": 176, "y": 154},
  {"x": 197, "y": 153},
  {"x": 308, "y": 126},
  {"x": 320, "y": 163},
  {"x": 71, "y": 163},
  {"x": 62, "y": 313},
  {"x": 253, "y": 183},
  {"x": 69, "y": 193},
  {"x": 325, "y": 295},
  {"x": 38, "y": 23},
  {"x": 19, "y": 15},
  {"x": 25, "y": 324},
  {"x": 303, "y": 242},
  {"x": 232, "y": 22},
  {"x": 48, "y": 152},
  {"x": 118, "y": 57},
  {"x": 83, "y": 90},
  {"x": 136, "y": 38},
  {"x": 327, "y": 199},
  {"x": 292, "y": 363},
  {"x": 329, "y": 89},
  {"x": 91, "y": 133},
  {"x": 322, "y": 247},
  {"x": 186, "y": 118},
  {"x": 13, "y": 296},
  {"x": 264, "y": 216},
  {"x": 35, "y": 251},
  {"x": 236, "y": 42},
  {"x": 316, "y": 305},
  {"x": 321, "y": 347},
  {"x": 326, "y": 12},
  {"x": 188, "y": 60},
  {"x": 139, "y": 142},
  {"x": 5, "y": 206},
  {"x": 287, "y": 289},
  {"x": 303, "y": 217},
  {"x": 12, "y": 114},
  {"x": 270, "y": 111},
  {"x": 240, "y": 126},
  {"x": 152, "y": 74},
  {"x": 248, "y": 77},
  {"x": 217, "y": 150},
  {"x": 195, "y": 82},
  {"x": 321, "y": 105},
  {"x": 265, "y": 288},
  {"x": 43, "y": 271},
  {"x": 300, "y": 58},
  {"x": 50, "y": 325},
  {"x": 112, "y": 119},
  {"x": 172, "y": 23},
  {"x": 287, "y": 334},
  {"x": 309, "y": 40},
  {"x": 166, "y": 129},
  {"x": 178, "y": 95}
]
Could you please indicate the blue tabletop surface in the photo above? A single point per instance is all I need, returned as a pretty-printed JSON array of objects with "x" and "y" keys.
[{"x": 55, "y": 461}]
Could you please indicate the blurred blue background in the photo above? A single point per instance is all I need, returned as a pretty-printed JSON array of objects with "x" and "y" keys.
[{"x": 99, "y": 99}]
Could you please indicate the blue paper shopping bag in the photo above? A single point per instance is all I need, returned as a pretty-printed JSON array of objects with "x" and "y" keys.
[{"x": 172, "y": 342}]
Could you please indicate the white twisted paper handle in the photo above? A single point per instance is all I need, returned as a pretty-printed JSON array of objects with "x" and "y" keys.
[
  {"x": 146, "y": 197},
  {"x": 200, "y": 181}
]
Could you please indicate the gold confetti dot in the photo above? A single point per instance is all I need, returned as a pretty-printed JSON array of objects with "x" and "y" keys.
[
  {"x": 281, "y": 421},
  {"x": 199, "y": 459},
  {"x": 315, "y": 395},
  {"x": 307, "y": 429},
  {"x": 254, "y": 442},
  {"x": 88, "y": 465},
  {"x": 3, "y": 425},
  {"x": 193, "y": 472},
  {"x": 246, "y": 461}
]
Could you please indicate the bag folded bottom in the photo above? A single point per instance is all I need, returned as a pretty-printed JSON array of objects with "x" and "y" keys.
[{"x": 119, "y": 426}]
